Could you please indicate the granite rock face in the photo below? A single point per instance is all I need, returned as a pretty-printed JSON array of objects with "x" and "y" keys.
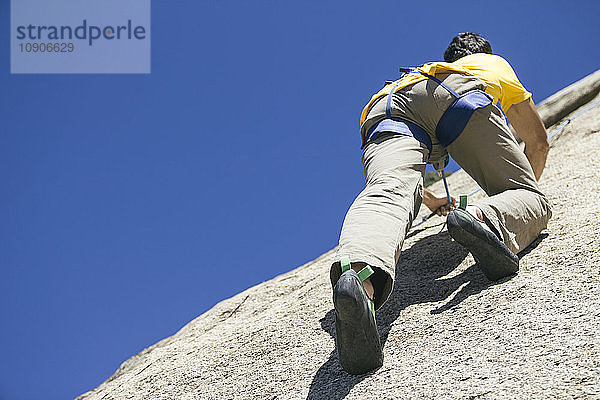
[{"x": 448, "y": 332}]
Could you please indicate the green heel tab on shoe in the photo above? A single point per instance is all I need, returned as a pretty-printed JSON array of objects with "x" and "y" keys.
[
  {"x": 345, "y": 263},
  {"x": 365, "y": 273},
  {"x": 463, "y": 202}
]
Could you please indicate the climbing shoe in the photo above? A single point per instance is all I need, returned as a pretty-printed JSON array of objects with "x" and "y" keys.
[
  {"x": 356, "y": 337},
  {"x": 491, "y": 254}
]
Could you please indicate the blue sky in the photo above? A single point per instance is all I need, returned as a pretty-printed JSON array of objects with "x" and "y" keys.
[{"x": 130, "y": 204}]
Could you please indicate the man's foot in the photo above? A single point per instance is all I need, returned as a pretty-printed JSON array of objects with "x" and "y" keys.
[
  {"x": 356, "y": 339},
  {"x": 491, "y": 254}
]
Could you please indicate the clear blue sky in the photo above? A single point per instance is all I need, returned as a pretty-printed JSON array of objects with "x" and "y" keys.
[{"x": 130, "y": 204}]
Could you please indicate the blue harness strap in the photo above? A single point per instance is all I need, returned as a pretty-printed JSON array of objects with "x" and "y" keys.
[
  {"x": 400, "y": 127},
  {"x": 442, "y": 84},
  {"x": 457, "y": 115}
]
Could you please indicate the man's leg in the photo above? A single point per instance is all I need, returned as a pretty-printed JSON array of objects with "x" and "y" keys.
[
  {"x": 370, "y": 243},
  {"x": 381, "y": 215},
  {"x": 516, "y": 209}
]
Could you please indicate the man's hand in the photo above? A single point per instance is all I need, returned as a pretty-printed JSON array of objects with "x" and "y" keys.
[
  {"x": 436, "y": 204},
  {"x": 529, "y": 126}
]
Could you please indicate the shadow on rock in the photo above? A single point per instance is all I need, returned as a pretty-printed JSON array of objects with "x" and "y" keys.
[
  {"x": 419, "y": 279},
  {"x": 477, "y": 282},
  {"x": 532, "y": 246},
  {"x": 331, "y": 382}
]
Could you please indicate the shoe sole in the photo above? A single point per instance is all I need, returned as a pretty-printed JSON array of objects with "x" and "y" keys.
[
  {"x": 493, "y": 257},
  {"x": 357, "y": 340}
]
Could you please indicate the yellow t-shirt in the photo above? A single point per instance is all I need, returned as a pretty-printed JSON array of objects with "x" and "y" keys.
[{"x": 495, "y": 71}]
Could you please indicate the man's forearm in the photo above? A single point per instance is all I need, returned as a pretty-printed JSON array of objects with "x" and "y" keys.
[
  {"x": 537, "y": 159},
  {"x": 529, "y": 126}
]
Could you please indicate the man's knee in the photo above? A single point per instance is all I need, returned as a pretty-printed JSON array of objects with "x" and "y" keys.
[{"x": 545, "y": 207}]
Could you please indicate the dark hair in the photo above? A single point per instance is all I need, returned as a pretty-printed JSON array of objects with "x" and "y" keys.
[{"x": 464, "y": 44}]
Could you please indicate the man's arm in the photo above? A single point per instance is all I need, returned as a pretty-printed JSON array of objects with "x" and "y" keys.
[{"x": 529, "y": 126}]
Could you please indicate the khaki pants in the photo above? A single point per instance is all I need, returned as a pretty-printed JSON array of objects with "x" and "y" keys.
[{"x": 380, "y": 217}]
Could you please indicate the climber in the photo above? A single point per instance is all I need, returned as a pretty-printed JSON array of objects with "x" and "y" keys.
[{"x": 440, "y": 108}]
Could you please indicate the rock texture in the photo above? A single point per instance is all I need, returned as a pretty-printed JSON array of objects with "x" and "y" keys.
[
  {"x": 448, "y": 332},
  {"x": 570, "y": 98}
]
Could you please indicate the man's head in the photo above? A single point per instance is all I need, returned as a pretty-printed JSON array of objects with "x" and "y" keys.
[{"x": 464, "y": 44}]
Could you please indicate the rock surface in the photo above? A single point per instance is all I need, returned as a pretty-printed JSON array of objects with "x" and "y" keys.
[{"x": 448, "y": 332}]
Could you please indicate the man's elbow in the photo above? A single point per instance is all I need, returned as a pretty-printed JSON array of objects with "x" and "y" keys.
[
  {"x": 546, "y": 146},
  {"x": 537, "y": 153},
  {"x": 544, "y": 143}
]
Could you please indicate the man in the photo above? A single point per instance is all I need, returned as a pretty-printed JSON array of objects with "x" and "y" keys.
[{"x": 439, "y": 108}]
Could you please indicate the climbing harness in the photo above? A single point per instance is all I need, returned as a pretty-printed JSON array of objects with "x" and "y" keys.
[
  {"x": 458, "y": 114},
  {"x": 450, "y": 125},
  {"x": 400, "y": 127}
]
